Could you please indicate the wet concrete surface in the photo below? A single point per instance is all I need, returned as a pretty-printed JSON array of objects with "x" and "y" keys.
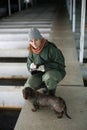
[
  {"x": 10, "y": 82},
  {"x": 8, "y": 119}
]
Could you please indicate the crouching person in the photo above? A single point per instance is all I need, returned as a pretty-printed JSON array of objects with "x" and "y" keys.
[{"x": 45, "y": 62}]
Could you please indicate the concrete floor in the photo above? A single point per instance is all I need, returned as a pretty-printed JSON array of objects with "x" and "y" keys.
[
  {"x": 45, "y": 119},
  {"x": 71, "y": 88}
]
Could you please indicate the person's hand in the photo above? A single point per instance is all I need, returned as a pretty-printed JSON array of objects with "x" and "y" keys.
[
  {"x": 33, "y": 66},
  {"x": 34, "y": 69},
  {"x": 41, "y": 68}
]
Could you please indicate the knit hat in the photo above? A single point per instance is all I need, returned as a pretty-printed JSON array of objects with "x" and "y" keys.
[{"x": 34, "y": 34}]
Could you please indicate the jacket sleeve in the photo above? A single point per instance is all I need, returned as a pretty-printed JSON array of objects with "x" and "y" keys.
[
  {"x": 29, "y": 61},
  {"x": 56, "y": 59}
]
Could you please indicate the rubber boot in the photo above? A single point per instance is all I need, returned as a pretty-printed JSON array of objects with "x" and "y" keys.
[
  {"x": 51, "y": 92},
  {"x": 45, "y": 90}
]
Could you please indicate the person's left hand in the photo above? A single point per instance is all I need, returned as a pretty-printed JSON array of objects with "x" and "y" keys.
[{"x": 41, "y": 68}]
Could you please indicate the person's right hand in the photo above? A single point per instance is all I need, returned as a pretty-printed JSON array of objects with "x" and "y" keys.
[{"x": 32, "y": 66}]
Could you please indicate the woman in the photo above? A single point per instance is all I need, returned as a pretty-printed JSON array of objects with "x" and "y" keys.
[{"x": 45, "y": 62}]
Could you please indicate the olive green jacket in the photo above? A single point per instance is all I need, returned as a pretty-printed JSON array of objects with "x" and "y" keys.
[{"x": 50, "y": 56}]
